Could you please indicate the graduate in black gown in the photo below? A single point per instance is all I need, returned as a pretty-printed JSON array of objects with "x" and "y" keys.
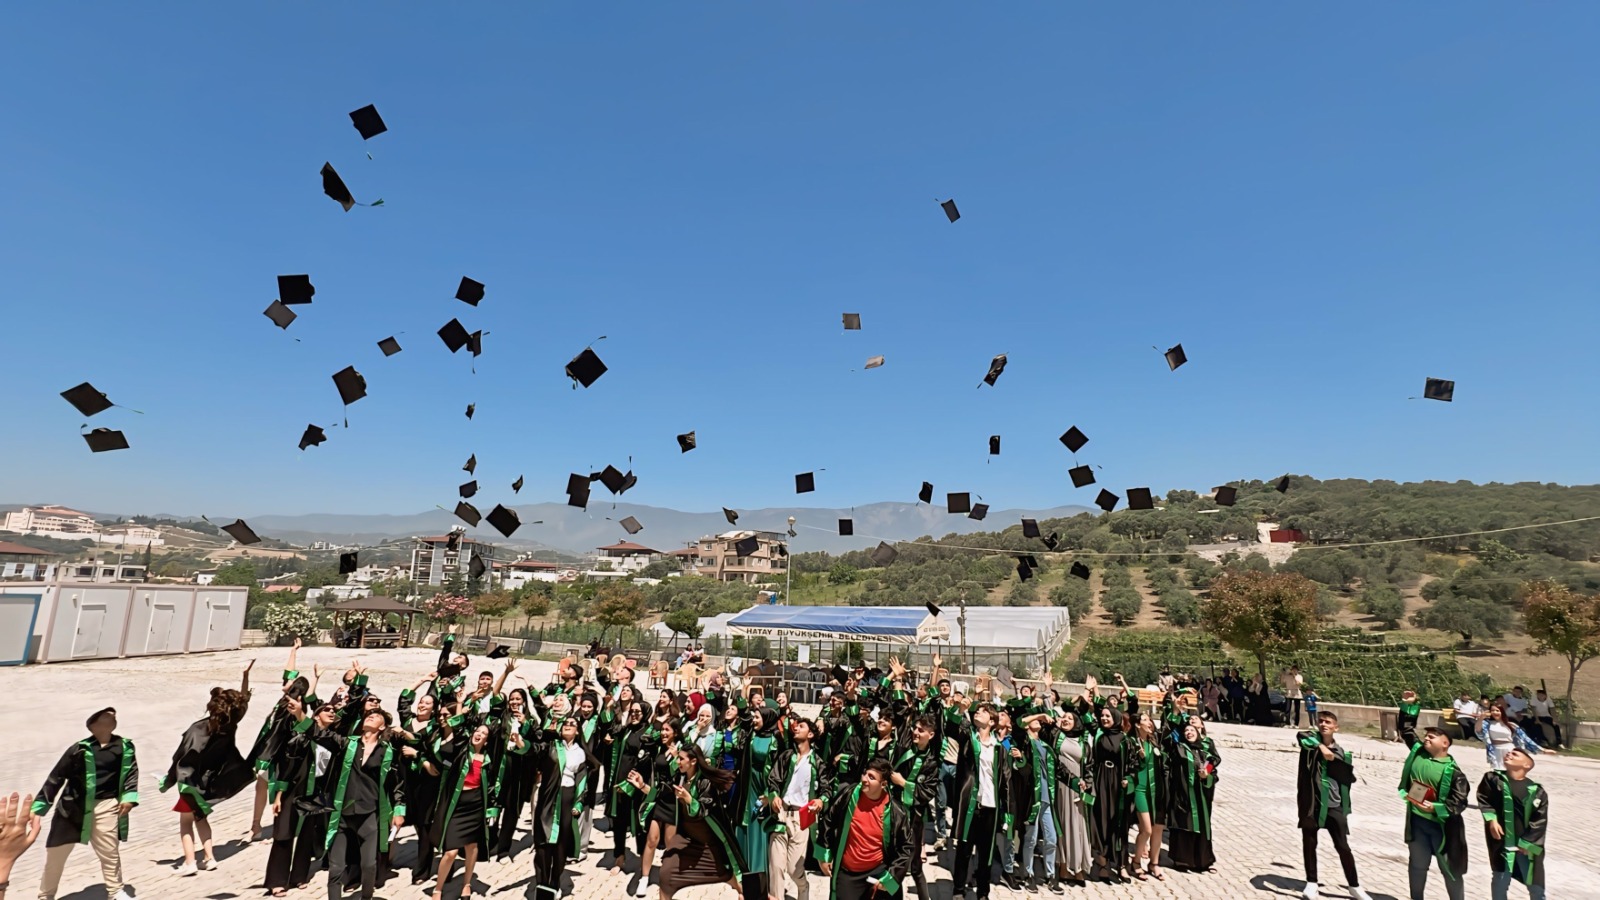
[
  {"x": 564, "y": 768},
  {"x": 207, "y": 769},
  {"x": 1111, "y": 766},
  {"x": 1190, "y": 772},
  {"x": 302, "y": 794},
  {"x": 470, "y": 759}
]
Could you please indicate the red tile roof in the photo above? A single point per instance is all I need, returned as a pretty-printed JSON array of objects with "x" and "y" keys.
[
  {"x": 8, "y": 548},
  {"x": 628, "y": 547},
  {"x": 688, "y": 551}
]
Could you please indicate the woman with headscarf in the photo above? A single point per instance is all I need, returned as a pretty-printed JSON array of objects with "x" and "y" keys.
[
  {"x": 1190, "y": 772},
  {"x": 207, "y": 769},
  {"x": 758, "y": 746},
  {"x": 1073, "y": 800},
  {"x": 1111, "y": 759},
  {"x": 699, "y": 848}
]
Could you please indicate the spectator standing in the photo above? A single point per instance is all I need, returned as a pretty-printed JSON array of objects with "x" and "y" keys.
[
  {"x": 1293, "y": 685},
  {"x": 1311, "y": 705}
]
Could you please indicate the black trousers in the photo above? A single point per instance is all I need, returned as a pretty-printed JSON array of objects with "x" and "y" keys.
[
  {"x": 918, "y": 827},
  {"x": 289, "y": 862},
  {"x": 510, "y": 814},
  {"x": 358, "y": 834},
  {"x": 548, "y": 864},
  {"x": 854, "y": 886},
  {"x": 1337, "y": 832},
  {"x": 622, "y": 809},
  {"x": 983, "y": 822}
]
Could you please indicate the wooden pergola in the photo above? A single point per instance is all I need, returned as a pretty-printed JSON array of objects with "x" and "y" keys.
[{"x": 382, "y": 605}]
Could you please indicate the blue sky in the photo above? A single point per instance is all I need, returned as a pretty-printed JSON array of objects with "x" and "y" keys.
[{"x": 1324, "y": 207}]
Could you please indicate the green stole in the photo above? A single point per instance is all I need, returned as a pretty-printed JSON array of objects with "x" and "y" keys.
[
  {"x": 908, "y": 792},
  {"x": 1508, "y": 806},
  {"x": 385, "y": 812},
  {"x": 977, "y": 772},
  {"x": 91, "y": 787},
  {"x": 887, "y": 881}
]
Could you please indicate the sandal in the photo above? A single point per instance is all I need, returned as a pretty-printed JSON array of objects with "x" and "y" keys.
[
  {"x": 1157, "y": 874},
  {"x": 279, "y": 892},
  {"x": 1139, "y": 874}
]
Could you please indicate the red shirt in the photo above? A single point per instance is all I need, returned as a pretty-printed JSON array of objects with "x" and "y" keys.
[
  {"x": 474, "y": 778},
  {"x": 863, "y": 849}
]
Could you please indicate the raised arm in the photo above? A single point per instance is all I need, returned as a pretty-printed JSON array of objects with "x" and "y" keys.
[
  {"x": 290, "y": 671},
  {"x": 244, "y": 680}
]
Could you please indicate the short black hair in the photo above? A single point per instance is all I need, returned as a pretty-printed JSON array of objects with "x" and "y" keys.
[
  {"x": 879, "y": 765},
  {"x": 1327, "y": 714}
]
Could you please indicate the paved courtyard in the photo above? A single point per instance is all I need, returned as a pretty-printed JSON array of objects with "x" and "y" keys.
[{"x": 1257, "y": 845}]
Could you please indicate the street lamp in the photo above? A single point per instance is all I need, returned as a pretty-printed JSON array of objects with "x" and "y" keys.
[{"x": 788, "y": 567}]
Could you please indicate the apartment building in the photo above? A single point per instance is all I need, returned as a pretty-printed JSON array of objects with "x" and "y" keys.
[
  {"x": 433, "y": 562},
  {"x": 742, "y": 555}
]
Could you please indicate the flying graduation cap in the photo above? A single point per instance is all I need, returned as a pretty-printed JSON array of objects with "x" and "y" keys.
[
  {"x": 1106, "y": 500},
  {"x": 730, "y": 515},
  {"x": 334, "y": 187},
  {"x": 1079, "y": 570},
  {"x": 477, "y": 567},
  {"x": 686, "y": 442},
  {"x": 958, "y": 503},
  {"x": 979, "y": 510},
  {"x": 1082, "y": 476},
  {"x": 313, "y": 437},
  {"x": 805, "y": 483},
  {"x": 884, "y": 554},
  {"x": 101, "y": 440},
  {"x": 847, "y": 527},
  {"x": 613, "y": 479},
  {"x": 504, "y": 520},
  {"x": 585, "y": 368},
  {"x": 368, "y": 122},
  {"x": 471, "y": 408},
  {"x": 950, "y": 210},
  {"x": 468, "y": 513},
  {"x": 873, "y": 362},
  {"x": 926, "y": 493},
  {"x": 1074, "y": 439},
  {"x": 471, "y": 468},
  {"x": 746, "y": 546},
  {"x": 87, "y": 400},
  {"x": 500, "y": 652},
  {"x": 1030, "y": 528},
  {"x": 351, "y": 385},
  {"x": 470, "y": 291},
  {"x": 1282, "y": 485},
  {"x": 1139, "y": 498},
  {"x": 468, "y": 490},
  {"x": 631, "y": 525},
  {"x": 293, "y": 289},
  {"x": 1051, "y": 541},
  {"x": 1175, "y": 357},
  {"x": 579, "y": 498},
  {"x": 1023, "y": 571},
  {"x": 241, "y": 533},
  {"x": 852, "y": 321},
  {"x": 454, "y": 335},
  {"x": 281, "y": 316},
  {"x": 516, "y": 486},
  {"x": 1226, "y": 495},
  {"x": 348, "y": 562},
  {"x": 389, "y": 346},
  {"x": 1439, "y": 389},
  {"x": 994, "y": 445},
  {"x": 996, "y": 366}
]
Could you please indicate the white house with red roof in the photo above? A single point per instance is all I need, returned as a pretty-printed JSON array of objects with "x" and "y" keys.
[{"x": 624, "y": 558}]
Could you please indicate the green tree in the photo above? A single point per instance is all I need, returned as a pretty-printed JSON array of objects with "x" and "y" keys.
[
  {"x": 240, "y": 572},
  {"x": 1122, "y": 604},
  {"x": 569, "y": 606},
  {"x": 842, "y": 573},
  {"x": 1384, "y": 603},
  {"x": 319, "y": 576},
  {"x": 683, "y": 621},
  {"x": 1560, "y": 621},
  {"x": 533, "y": 603},
  {"x": 493, "y": 604},
  {"x": 618, "y": 605},
  {"x": 1263, "y": 614},
  {"x": 1181, "y": 607},
  {"x": 662, "y": 568},
  {"x": 1023, "y": 593},
  {"x": 1466, "y": 616},
  {"x": 454, "y": 585},
  {"x": 1074, "y": 594}
]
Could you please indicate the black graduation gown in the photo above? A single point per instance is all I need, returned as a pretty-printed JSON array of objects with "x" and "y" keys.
[
  {"x": 1524, "y": 822},
  {"x": 1111, "y": 765},
  {"x": 71, "y": 787},
  {"x": 554, "y": 821},
  {"x": 1318, "y": 780},
  {"x": 207, "y": 768},
  {"x": 968, "y": 794}
]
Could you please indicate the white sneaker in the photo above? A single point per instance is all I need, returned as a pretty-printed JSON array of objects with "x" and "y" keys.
[
  {"x": 1359, "y": 894},
  {"x": 643, "y": 890},
  {"x": 187, "y": 869},
  {"x": 122, "y": 895},
  {"x": 1310, "y": 892},
  {"x": 208, "y": 865}
]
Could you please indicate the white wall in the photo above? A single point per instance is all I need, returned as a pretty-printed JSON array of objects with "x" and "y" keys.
[{"x": 82, "y": 620}]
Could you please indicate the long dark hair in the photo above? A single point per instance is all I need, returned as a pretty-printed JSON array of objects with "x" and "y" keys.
[
  {"x": 225, "y": 709},
  {"x": 721, "y": 779}
]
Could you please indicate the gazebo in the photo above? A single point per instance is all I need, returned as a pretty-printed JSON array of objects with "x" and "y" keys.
[{"x": 381, "y": 605}]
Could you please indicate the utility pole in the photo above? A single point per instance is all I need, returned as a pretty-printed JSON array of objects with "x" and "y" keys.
[{"x": 788, "y": 566}]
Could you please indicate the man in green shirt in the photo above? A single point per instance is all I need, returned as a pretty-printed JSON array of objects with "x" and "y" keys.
[{"x": 1435, "y": 792}]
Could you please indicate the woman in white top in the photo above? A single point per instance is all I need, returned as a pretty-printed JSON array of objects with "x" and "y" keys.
[{"x": 1500, "y": 734}]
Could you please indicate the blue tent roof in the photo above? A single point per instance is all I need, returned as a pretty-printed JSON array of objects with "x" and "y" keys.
[{"x": 885, "y": 623}]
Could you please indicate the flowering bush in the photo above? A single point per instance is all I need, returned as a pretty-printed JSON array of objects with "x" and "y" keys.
[
  {"x": 290, "y": 620},
  {"x": 448, "y": 608}
]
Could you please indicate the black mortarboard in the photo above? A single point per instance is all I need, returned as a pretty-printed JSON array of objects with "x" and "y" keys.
[
  {"x": 783, "y": 549},
  {"x": 500, "y": 652},
  {"x": 746, "y": 546},
  {"x": 1074, "y": 439},
  {"x": 1139, "y": 498},
  {"x": 577, "y": 483},
  {"x": 958, "y": 503},
  {"x": 1030, "y": 528},
  {"x": 389, "y": 346},
  {"x": 1107, "y": 500},
  {"x": 454, "y": 335},
  {"x": 852, "y": 321},
  {"x": 477, "y": 567},
  {"x": 628, "y": 480},
  {"x": 1283, "y": 485},
  {"x": 333, "y": 186},
  {"x": 805, "y": 483},
  {"x": 1082, "y": 476},
  {"x": 839, "y": 673},
  {"x": 994, "y": 445},
  {"x": 281, "y": 316},
  {"x": 1175, "y": 357},
  {"x": 503, "y": 520},
  {"x": 586, "y": 368},
  {"x": 1029, "y": 560},
  {"x": 241, "y": 532},
  {"x": 730, "y": 515},
  {"x": 950, "y": 211},
  {"x": 516, "y": 486},
  {"x": 468, "y": 489},
  {"x": 452, "y": 541},
  {"x": 612, "y": 478},
  {"x": 368, "y": 122},
  {"x": 883, "y": 554},
  {"x": 348, "y": 562},
  {"x": 102, "y": 439},
  {"x": 1051, "y": 541},
  {"x": 468, "y": 513},
  {"x": 294, "y": 289},
  {"x": 314, "y": 436},
  {"x": 580, "y": 499},
  {"x": 1226, "y": 495},
  {"x": 926, "y": 494},
  {"x": 351, "y": 385},
  {"x": 631, "y": 525},
  {"x": 475, "y": 343},
  {"x": 686, "y": 441},
  {"x": 1023, "y": 572},
  {"x": 847, "y": 527},
  {"x": 471, "y": 408},
  {"x": 471, "y": 467},
  {"x": 932, "y": 610},
  {"x": 87, "y": 400},
  {"x": 996, "y": 366},
  {"x": 1079, "y": 570},
  {"x": 979, "y": 510},
  {"x": 1439, "y": 389},
  {"x": 470, "y": 291}
]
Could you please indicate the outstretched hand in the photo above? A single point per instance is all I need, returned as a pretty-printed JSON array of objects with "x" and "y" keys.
[{"x": 19, "y": 828}]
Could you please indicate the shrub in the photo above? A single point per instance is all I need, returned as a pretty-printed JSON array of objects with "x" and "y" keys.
[
  {"x": 290, "y": 620},
  {"x": 449, "y": 608}
]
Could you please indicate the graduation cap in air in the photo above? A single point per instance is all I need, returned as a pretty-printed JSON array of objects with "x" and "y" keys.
[
  {"x": 470, "y": 291},
  {"x": 452, "y": 541},
  {"x": 313, "y": 436},
  {"x": 847, "y": 527},
  {"x": 351, "y": 385},
  {"x": 368, "y": 122},
  {"x": 884, "y": 554},
  {"x": 1139, "y": 498},
  {"x": 994, "y": 445},
  {"x": 1082, "y": 476},
  {"x": 839, "y": 673},
  {"x": 471, "y": 408},
  {"x": 475, "y": 343},
  {"x": 586, "y": 368},
  {"x": 730, "y": 515},
  {"x": 334, "y": 187},
  {"x": 958, "y": 503},
  {"x": 503, "y": 520},
  {"x": 926, "y": 494},
  {"x": 102, "y": 439},
  {"x": 996, "y": 366},
  {"x": 500, "y": 652},
  {"x": 1439, "y": 389},
  {"x": 686, "y": 442},
  {"x": 471, "y": 467},
  {"x": 348, "y": 562},
  {"x": 577, "y": 484},
  {"x": 746, "y": 546},
  {"x": 468, "y": 490},
  {"x": 805, "y": 483},
  {"x": 294, "y": 289},
  {"x": 873, "y": 362},
  {"x": 932, "y": 610},
  {"x": 631, "y": 525},
  {"x": 1283, "y": 485},
  {"x": 852, "y": 321},
  {"x": 389, "y": 346},
  {"x": 281, "y": 316},
  {"x": 477, "y": 567},
  {"x": 1079, "y": 570},
  {"x": 1023, "y": 571},
  {"x": 613, "y": 479},
  {"x": 241, "y": 532},
  {"x": 468, "y": 513},
  {"x": 1074, "y": 439},
  {"x": 1107, "y": 500},
  {"x": 1226, "y": 495},
  {"x": 1051, "y": 541},
  {"x": 1030, "y": 528},
  {"x": 516, "y": 486},
  {"x": 1175, "y": 357},
  {"x": 580, "y": 499},
  {"x": 979, "y": 510},
  {"x": 950, "y": 211},
  {"x": 86, "y": 400},
  {"x": 1029, "y": 560},
  {"x": 454, "y": 335}
]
